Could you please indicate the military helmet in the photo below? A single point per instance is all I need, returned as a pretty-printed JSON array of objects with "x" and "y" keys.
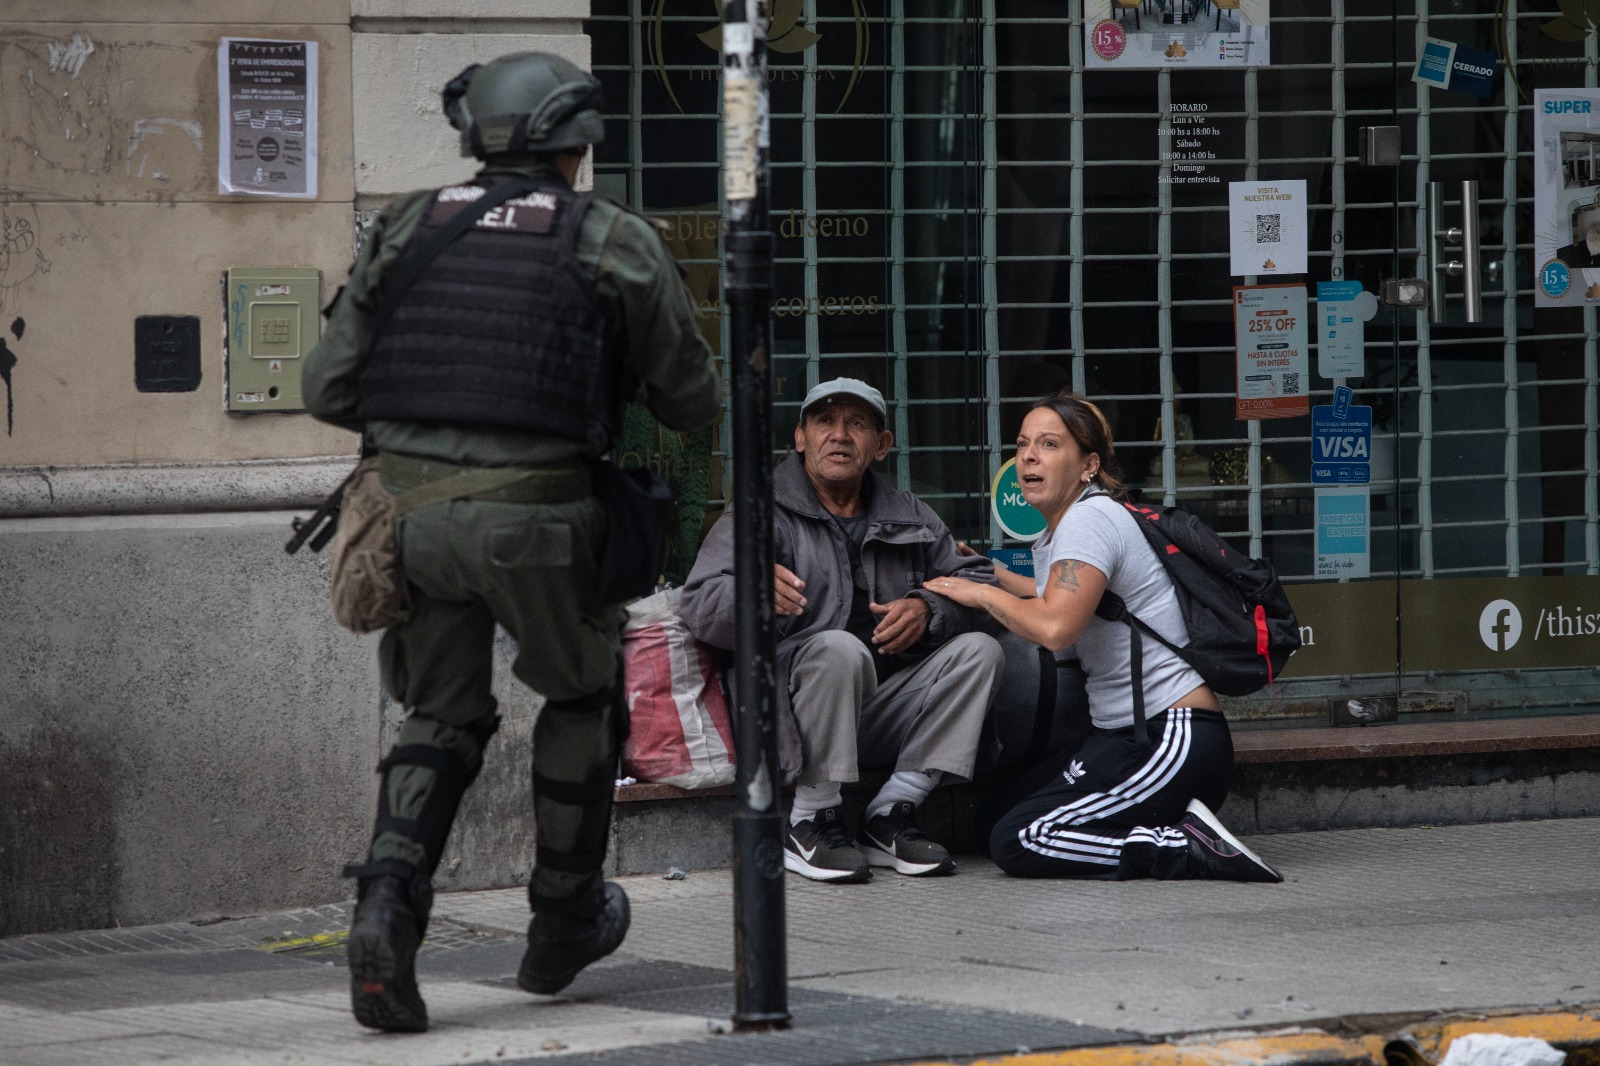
[{"x": 524, "y": 103}]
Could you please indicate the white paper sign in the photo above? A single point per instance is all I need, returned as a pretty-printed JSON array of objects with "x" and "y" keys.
[
  {"x": 740, "y": 135},
  {"x": 1344, "y": 531},
  {"x": 267, "y": 139},
  {"x": 1267, "y": 227},
  {"x": 1566, "y": 197},
  {"x": 1343, "y": 310}
]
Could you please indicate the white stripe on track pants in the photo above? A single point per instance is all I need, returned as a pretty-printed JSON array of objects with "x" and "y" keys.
[{"x": 1107, "y": 810}]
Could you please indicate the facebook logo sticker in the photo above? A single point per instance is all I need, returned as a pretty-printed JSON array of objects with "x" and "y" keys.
[{"x": 1500, "y": 625}]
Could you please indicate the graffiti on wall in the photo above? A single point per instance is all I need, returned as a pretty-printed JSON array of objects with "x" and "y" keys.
[
  {"x": 21, "y": 249},
  {"x": 58, "y": 105},
  {"x": 21, "y": 258},
  {"x": 8, "y": 362}
]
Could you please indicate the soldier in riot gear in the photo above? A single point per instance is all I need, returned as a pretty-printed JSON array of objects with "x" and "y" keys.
[{"x": 488, "y": 373}]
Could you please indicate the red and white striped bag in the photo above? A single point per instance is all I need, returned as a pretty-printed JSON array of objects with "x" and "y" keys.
[{"x": 680, "y": 732}]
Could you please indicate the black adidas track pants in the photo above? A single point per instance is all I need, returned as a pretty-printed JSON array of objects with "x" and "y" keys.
[{"x": 1107, "y": 810}]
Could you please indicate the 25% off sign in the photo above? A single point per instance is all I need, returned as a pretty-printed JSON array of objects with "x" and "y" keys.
[{"x": 1271, "y": 352}]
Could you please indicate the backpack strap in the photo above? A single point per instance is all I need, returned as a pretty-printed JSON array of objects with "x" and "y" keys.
[
  {"x": 1112, "y": 608},
  {"x": 1141, "y": 732},
  {"x": 1044, "y": 713}
]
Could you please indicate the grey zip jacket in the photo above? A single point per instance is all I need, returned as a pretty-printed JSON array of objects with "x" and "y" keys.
[{"x": 906, "y": 544}]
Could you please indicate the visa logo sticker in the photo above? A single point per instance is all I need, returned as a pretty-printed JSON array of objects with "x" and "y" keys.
[
  {"x": 1341, "y": 445},
  {"x": 1346, "y": 447}
]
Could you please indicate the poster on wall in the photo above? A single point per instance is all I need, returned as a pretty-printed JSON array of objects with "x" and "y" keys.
[
  {"x": 1267, "y": 227},
  {"x": 1566, "y": 197},
  {"x": 1269, "y": 325},
  {"x": 1343, "y": 310},
  {"x": 267, "y": 128},
  {"x": 1152, "y": 34},
  {"x": 1344, "y": 531}
]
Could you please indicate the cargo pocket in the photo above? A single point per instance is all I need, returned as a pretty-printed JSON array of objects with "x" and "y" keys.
[
  {"x": 531, "y": 544},
  {"x": 392, "y": 666}
]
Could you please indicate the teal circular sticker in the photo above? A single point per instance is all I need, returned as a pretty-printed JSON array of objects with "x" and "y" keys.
[
  {"x": 1017, "y": 518},
  {"x": 1555, "y": 279}
]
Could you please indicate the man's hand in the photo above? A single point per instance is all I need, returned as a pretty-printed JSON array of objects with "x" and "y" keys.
[
  {"x": 901, "y": 624},
  {"x": 786, "y": 598}
]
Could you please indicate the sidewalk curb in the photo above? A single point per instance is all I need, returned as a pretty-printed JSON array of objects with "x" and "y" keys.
[{"x": 1575, "y": 1031}]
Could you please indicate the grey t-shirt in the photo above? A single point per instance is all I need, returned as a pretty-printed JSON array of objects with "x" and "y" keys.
[{"x": 1099, "y": 531}]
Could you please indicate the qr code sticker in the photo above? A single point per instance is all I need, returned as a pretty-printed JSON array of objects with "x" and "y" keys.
[
  {"x": 1291, "y": 384},
  {"x": 1269, "y": 229}
]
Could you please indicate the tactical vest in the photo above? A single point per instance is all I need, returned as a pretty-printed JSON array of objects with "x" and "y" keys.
[{"x": 503, "y": 328}]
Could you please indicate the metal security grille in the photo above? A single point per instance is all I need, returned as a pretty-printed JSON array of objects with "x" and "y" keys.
[{"x": 970, "y": 219}]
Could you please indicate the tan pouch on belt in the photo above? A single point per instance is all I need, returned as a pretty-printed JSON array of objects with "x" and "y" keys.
[{"x": 369, "y": 592}]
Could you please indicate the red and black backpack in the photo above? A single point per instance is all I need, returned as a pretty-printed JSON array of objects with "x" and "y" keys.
[{"x": 1241, "y": 627}]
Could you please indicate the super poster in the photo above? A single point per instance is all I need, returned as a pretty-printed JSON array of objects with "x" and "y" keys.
[{"x": 1566, "y": 197}]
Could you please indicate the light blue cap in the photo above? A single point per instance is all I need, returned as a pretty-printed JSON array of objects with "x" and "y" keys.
[{"x": 852, "y": 387}]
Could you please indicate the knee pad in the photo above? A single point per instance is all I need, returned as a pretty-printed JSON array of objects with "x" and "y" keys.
[
  {"x": 573, "y": 818},
  {"x": 431, "y": 826}
]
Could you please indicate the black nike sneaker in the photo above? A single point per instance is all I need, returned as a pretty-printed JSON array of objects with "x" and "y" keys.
[
  {"x": 820, "y": 848},
  {"x": 894, "y": 839},
  {"x": 1216, "y": 854}
]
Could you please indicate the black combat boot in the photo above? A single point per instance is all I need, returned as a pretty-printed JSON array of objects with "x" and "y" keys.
[
  {"x": 392, "y": 905},
  {"x": 562, "y": 942}
]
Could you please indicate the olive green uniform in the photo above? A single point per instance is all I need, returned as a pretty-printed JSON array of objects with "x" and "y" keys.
[{"x": 523, "y": 556}]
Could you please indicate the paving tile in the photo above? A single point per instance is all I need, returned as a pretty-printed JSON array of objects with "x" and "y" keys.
[{"x": 892, "y": 968}]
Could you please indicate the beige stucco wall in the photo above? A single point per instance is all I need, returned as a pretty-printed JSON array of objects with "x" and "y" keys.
[
  {"x": 402, "y": 138},
  {"x": 112, "y": 211}
]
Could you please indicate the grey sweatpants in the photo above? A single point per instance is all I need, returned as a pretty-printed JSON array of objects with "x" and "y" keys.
[{"x": 928, "y": 716}]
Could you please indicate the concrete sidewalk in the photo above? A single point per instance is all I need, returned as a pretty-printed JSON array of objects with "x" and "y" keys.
[{"x": 1375, "y": 934}]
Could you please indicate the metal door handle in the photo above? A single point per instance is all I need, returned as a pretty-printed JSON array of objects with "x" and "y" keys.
[{"x": 1439, "y": 244}]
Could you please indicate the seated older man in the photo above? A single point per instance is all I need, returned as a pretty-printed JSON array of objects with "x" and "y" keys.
[{"x": 871, "y": 671}]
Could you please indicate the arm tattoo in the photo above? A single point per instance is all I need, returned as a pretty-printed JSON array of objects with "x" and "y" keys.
[
  {"x": 998, "y": 614},
  {"x": 1064, "y": 575}
]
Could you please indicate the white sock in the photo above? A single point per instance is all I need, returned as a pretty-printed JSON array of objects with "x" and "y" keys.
[
  {"x": 903, "y": 786},
  {"x": 810, "y": 799}
]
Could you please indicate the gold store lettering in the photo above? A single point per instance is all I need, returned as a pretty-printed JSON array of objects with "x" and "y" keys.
[
  {"x": 799, "y": 307},
  {"x": 684, "y": 227},
  {"x": 795, "y": 224},
  {"x": 693, "y": 227}
]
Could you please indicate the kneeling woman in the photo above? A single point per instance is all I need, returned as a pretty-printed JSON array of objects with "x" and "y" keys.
[{"x": 1118, "y": 807}]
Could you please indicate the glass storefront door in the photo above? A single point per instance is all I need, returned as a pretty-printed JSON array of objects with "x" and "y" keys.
[{"x": 971, "y": 211}]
